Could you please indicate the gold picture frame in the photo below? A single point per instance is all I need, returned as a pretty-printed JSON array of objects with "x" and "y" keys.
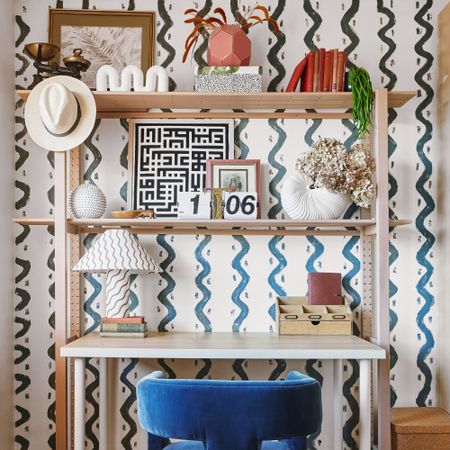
[{"x": 119, "y": 38}]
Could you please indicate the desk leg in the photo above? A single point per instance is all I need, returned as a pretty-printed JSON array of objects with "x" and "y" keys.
[
  {"x": 79, "y": 400},
  {"x": 364, "y": 405},
  {"x": 337, "y": 380},
  {"x": 103, "y": 405}
]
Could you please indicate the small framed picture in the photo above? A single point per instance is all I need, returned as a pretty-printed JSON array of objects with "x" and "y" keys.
[{"x": 238, "y": 175}]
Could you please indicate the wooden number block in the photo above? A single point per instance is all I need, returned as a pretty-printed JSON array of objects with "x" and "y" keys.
[
  {"x": 240, "y": 205},
  {"x": 194, "y": 205}
]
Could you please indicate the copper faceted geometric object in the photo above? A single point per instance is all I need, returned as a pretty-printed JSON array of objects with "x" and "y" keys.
[{"x": 229, "y": 46}]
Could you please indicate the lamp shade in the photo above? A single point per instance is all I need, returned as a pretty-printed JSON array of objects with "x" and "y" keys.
[{"x": 117, "y": 250}]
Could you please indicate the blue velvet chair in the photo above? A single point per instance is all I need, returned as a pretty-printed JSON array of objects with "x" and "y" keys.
[{"x": 229, "y": 415}]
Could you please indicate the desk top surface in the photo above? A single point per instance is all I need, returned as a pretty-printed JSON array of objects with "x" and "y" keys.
[{"x": 223, "y": 346}]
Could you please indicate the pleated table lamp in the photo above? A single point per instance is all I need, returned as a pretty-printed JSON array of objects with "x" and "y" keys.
[{"x": 119, "y": 254}]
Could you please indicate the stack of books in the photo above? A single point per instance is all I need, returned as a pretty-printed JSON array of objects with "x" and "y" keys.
[
  {"x": 320, "y": 71},
  {"x": 123, "y": 327}
]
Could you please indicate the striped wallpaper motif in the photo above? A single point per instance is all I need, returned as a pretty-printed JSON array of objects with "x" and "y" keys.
[{"x": 230, "y": 283}]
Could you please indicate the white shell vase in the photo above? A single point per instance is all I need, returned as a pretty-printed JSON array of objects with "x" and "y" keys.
[
  {"x": 87, "y": 201},
  {"x": 301, "y": 202}
]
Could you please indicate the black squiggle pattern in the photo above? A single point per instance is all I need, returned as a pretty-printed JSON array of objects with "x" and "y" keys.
[
  {"x": 163, "y": 42},
  {"x": 393, "y": 186},
  {"x": 238, "y": 368},
  {"x": 424, "y": 254},
  {"x": 279, "y": 369},
  {"x": 21, "y": 345},
  {"x": 317, "y": 21},
  {"x": 97, "y": 156},
  {"x": 169, "y": 371},
  {"x": 91, "y": 398},
  {"x": 348, "y": 30},
  {"x": 204, "y": 371},
  {"x": 127, "y": 404},
  {"x": 24, "y": 31},
  {"x": 310, "y": 366},
  {"x": 272, "y": 56},
  {"x": 201, "y": 49}
]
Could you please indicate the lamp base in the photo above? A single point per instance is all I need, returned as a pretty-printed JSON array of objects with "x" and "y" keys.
[{"x": 117, "y": 293}]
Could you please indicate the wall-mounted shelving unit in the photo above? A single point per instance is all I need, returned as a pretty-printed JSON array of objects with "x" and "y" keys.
[{"x": 373, "y": 232}]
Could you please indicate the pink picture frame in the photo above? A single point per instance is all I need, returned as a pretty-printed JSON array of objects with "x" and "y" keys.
[{"x": 242, "y": 175}]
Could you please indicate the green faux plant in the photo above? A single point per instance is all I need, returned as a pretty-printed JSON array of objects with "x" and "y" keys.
[{"x": 362, "y": 94}]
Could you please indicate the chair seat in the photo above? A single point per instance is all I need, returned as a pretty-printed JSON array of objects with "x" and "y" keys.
[{"x": 191, "y": 445}]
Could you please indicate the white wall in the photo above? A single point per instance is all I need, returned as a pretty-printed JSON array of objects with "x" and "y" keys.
[{"x": 6, "y": 232}]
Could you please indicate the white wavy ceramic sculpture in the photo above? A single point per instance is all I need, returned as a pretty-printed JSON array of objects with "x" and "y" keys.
[
  {"x": 132, "y": 78},
  {"x": 303, "y": 203}
]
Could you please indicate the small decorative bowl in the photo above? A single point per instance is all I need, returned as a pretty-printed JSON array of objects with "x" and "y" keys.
[{"x": 134, "y": 214}]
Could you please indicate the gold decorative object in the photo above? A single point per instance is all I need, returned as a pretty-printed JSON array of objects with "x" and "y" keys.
[
  {"x": 217, "y": 202},
  {"x": 42, "y": 53}
]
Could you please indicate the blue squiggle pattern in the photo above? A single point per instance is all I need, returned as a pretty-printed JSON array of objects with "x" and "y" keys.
[
  {"x": 423, "y": 255},
  {"x": 393, "y": 186},
  {"x": 236, "y": 296},
  {"x": 165, "y": 293},
  {"x": 275, "y": 210},
  {"x": 200, "y": 283},
  {"x": 316, "y": 244},
  {"x": 281, "y": 264}
]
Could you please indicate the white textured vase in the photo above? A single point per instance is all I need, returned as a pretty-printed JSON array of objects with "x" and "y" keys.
[
  {"x": 301, "y": 202},
  {"x": 87, "y": 201}
]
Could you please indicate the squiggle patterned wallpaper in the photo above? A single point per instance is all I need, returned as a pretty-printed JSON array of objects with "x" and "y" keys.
[{"x": 230, "y": 283}]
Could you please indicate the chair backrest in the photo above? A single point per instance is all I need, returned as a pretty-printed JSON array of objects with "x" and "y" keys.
[{"x": 227, "y": 415}]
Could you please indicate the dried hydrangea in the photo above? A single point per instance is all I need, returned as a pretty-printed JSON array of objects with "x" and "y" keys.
[{"x": 330, "y": 165}]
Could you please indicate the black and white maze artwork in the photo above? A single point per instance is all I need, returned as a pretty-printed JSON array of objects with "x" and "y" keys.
[{"x": 171, "y": 157}]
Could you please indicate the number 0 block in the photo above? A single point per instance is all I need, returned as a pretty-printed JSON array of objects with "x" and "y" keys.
[{"x": 240, "y": 205}]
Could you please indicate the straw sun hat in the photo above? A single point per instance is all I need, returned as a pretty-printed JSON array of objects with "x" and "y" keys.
[{"x": 60, "y": 113}]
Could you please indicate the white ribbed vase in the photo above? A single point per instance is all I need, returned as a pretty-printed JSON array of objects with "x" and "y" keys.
[
  {"x": 301, "y": 202},
  {"x": 87, "y": 201}
]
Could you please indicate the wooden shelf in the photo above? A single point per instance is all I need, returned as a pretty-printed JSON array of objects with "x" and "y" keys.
[
  {"x": 263, "y": 227},
  {"x": 137, "y": 104}
]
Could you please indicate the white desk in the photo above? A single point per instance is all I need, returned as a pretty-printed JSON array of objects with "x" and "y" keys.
[{"x": 225, "y": 346}]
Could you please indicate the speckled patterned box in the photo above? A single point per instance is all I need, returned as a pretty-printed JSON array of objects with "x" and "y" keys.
[{"x": 228, "y": 79}]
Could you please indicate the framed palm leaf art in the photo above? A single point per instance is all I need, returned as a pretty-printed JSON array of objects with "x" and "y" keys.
[{"x": 118, "y": 38}]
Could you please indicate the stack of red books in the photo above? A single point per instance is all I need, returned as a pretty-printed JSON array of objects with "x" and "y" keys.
[
  {"x": 320, "y": 71},
  {"x": 123, "y": 327}
]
